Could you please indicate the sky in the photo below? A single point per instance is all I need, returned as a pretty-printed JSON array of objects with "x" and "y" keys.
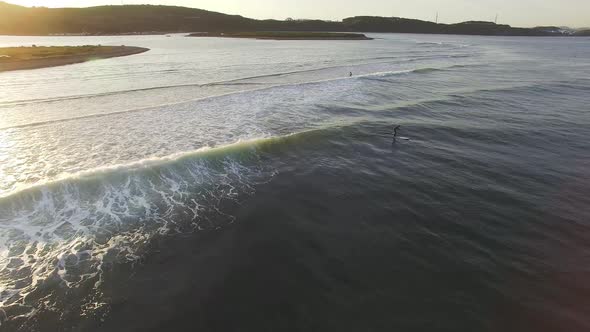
[{"x": 524, "y": 13}]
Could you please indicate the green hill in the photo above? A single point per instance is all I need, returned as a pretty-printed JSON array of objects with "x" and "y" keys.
[{"x": 17, "y": 20}]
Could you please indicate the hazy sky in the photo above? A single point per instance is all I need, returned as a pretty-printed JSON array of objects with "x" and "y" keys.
[{"x": 515, "y": 12}]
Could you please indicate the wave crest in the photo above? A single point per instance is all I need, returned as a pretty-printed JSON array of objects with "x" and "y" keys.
[{"x": 71, "y": 231}]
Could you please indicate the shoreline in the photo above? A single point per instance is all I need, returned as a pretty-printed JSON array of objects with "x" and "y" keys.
[
  {"x": 98, "y": 53},
  {"x": 188, "y": 34},
  {"x": 280, "y": 35}
]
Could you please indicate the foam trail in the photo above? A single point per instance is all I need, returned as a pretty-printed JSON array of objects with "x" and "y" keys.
[
  {"x": 72, "y": 229},
  {"x": 265, "y": 86},
  {"x": 233, "y": 81}
]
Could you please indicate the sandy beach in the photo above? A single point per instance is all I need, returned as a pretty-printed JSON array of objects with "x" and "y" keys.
[{"x": 22, "y": 58}]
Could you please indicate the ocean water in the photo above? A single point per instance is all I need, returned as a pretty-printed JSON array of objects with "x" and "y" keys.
[{"x": 243, "y": 185}]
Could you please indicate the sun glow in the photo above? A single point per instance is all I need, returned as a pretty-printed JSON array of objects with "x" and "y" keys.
[
  {"x": 60, "y": 3},
  {"x": 517, "y": 13}
]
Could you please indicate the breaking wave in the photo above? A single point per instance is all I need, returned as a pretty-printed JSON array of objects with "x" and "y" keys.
[{"x": 71, "y": 230}]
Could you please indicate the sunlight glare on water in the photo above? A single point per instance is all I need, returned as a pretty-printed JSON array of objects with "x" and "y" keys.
[{"x": 99, "y": 159}]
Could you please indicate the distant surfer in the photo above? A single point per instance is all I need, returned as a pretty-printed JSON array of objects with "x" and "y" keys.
[
  {"x": 350, "y": 74},
  {"x": 395, "y": 130}
]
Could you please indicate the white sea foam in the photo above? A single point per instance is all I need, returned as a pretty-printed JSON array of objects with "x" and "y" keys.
[
  {"x": 69, "y": 228},
  {"x": 94, "y": 164}
]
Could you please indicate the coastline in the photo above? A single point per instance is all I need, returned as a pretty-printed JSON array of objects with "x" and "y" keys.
[
  {"x": 279, "y": 35},
  {"x": 99, "y": 52}
]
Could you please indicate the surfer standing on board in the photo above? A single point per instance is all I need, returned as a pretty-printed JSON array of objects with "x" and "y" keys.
[
  {"x": 350, "y": 75},
  {"x": 395, "y": 132}
]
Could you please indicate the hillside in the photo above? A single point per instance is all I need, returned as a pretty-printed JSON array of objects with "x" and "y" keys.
[
  {"x": 17, "y": 20},
  {"x": 110, "y": 19}
]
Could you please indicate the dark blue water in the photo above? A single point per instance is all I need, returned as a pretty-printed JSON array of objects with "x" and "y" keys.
[{"x": 479, "y": 221}]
